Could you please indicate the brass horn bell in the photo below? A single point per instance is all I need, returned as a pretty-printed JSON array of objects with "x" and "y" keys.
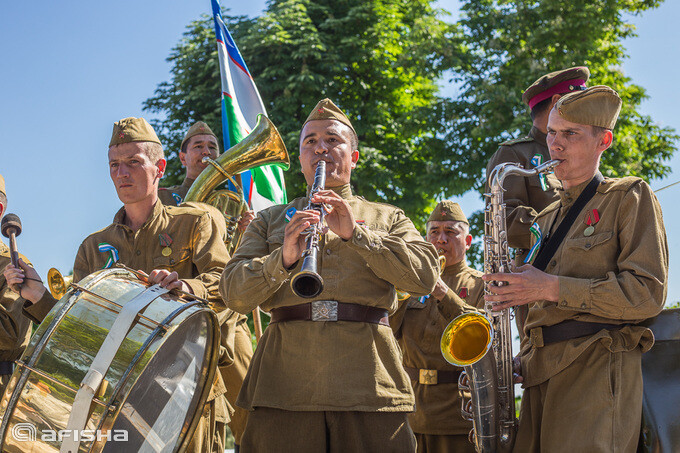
[
  {"x": 262, "y": 146},
  {"x": 57, "y": 283}
]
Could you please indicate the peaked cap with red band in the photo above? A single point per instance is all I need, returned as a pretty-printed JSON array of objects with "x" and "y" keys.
[{"x": 558, "y": 82}]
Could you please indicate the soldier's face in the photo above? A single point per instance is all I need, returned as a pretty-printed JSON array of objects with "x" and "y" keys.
[
  {"x": 450, "y": 238},
  {"x": 132, "y": 172},
  {"x": 577, "y": 146},
  {"x": 331, "y": 141},
  {"x": 198, "y": 147}
]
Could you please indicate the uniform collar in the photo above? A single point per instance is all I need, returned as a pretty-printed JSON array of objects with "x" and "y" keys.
[
  {"x": 345, "y": 191},
  {"x": 187, "y": 183},
  {"x": 455, "y": 268},
  {"x": 538, "y": 136},
  {"x": 158, "y": 208},
  {"x": 569, "y": 196}
]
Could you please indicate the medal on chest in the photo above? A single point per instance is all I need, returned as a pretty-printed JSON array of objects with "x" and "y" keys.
[
  {"x": 165, "y": 241},
  {"x": 592, "y": 217}
]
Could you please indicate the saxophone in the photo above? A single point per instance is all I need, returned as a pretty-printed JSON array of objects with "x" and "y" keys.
[{"x": 468, "y": 338}]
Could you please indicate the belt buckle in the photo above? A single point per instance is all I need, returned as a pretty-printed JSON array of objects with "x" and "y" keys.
[
  {"x": 427, "y": 377},
  {"x": 325, "y": 310}
]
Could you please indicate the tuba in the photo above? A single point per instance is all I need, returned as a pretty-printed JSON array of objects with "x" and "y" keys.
[
  {"x": 468, "y": 338},
  {"x": 261, "y": 147}
]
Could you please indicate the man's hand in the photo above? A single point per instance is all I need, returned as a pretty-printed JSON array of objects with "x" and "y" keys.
[
  {"x": 526, "y": 285},
  {"x": 294, "y": 241},
  {"x": 440, "y": 290},
  {"x": 517, "y": 370},
  {"x": 339, "y": 217},
  {"x": 169, "y": 280},
  {"x": 32, "y": 288},
  {"x": 245, "y": 220}
]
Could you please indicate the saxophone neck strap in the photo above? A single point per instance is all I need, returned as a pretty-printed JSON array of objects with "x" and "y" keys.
[{"x": 549, "y": 248}]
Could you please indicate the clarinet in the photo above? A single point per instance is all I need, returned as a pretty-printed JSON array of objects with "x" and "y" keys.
[{"x": 308, "y": 283}]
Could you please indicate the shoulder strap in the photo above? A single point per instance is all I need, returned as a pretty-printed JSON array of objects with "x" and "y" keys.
[{"x": 548, "y": 249}]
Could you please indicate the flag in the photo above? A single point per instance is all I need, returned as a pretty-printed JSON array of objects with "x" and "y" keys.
[{"x": 241, "y": 103}]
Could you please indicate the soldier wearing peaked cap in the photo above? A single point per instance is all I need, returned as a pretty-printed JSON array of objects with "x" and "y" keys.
[
  {"x": 601, "y": 269},
  {"x": 183, "y": 248},
  {"x": 327, "y": 373},
  {"x": 418, "y": 326},
  {"x": 526, "y": 197},
  {"x": 15, "y": 328}
]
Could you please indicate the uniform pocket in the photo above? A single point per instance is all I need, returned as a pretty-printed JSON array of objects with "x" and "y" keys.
[
  {"x": 614, "y": 372},
  {"x": 589, "y": 242},
  {"x": 171, "y": 261}
]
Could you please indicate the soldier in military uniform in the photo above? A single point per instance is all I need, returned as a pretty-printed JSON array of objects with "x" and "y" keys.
[
  {"x": 437, "y": 421},
  {"x": 15, "y": 329},
  {"x": 327, "y": 375},
  {"x": 526, "y": 197},
  {"x": 178, "y": 247},
  {"x": 580, "y": 359},
  {"x": 199, "y": 142}
]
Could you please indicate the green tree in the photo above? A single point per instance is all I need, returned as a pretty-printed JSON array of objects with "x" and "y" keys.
[
  {"x": 512, "y": 43},
  {"x": 379, "y": 60}
]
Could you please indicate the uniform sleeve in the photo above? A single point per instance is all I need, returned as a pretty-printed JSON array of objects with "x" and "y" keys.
[
  {"x": 637, "y": 290},
  {"x": 209, "y": 257},
  {"x": 452, "y": 306},
  {"x": 516, "y": 197},
  {"x": 253, "y": 274},
  {"x": 13, "y": 324},
  {"x": 401, "y": 257}
]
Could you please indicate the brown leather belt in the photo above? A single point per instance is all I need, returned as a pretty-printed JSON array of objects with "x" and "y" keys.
[
  {"x": 568, "y": 330},
  {"x": 432, "y": 377},
  {"x": 331, "y": 310}
]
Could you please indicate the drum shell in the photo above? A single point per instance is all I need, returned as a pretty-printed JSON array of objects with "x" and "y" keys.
[{"x": 64, "y": 345}]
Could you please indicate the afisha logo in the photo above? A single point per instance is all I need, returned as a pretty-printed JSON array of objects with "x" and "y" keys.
[{"x": 27, "y": 432}]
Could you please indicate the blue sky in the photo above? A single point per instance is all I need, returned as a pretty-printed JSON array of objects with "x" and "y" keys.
[{"x": 70, "y": 69}]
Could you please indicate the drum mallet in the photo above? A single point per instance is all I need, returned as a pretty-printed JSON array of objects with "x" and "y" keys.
[{"x": 11, "y": 228}]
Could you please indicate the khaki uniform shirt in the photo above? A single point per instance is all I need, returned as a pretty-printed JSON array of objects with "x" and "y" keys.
[
  {"x": 330, "y": 366},
  {"x": 15, "y": 328},
  {"x": 616, "y": 276},
  {"x": 524, "y": 197},
  {"x": 198, "y": 256},
  {"x": 174, "y": 195},
  {"x": 419, "y": 334}
]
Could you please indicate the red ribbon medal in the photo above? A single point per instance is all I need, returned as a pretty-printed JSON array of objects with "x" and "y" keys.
[{"x": 591, "y": 219}]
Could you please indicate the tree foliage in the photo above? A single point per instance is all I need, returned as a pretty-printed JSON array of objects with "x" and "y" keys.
[{"x": 382, "y": 60}]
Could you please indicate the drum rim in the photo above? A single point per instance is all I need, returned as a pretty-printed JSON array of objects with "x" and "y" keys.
[{"x": 56, "y": 321}]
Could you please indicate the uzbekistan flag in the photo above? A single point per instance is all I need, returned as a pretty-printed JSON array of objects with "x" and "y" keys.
[{"x": 241, "y": 103}]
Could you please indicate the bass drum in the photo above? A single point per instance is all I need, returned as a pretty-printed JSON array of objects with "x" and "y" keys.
[
  {"x": 661, "y": 395},
  {"x": 151, "y": 397}
]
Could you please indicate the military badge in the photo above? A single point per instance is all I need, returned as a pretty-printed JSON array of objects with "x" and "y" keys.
[
  {"x": 591, "y": 220},
  {"x": 165, "y": 241},
  {"x": 290, "y": 212}
]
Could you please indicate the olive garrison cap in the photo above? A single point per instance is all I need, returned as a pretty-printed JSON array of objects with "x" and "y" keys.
[
  {"x": 595, "y": 106},
  {"x": 448, "y": 210},
  {"x": 2, "y": 185},
  {"x": 326, "y": 110},
  {"x": 132, "y": 130},
  {"x": 199, "y": 128},
  {"x": 558, "y": 82}
]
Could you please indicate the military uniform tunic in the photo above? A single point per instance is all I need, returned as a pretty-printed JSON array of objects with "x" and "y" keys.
[
  {"x": 616, "y": 275},
  {"x": 524, "y": 197},
  {"x": 419, "y": 334},
  {"x": 198, "y": 255},
  {"x": 174, "y": 195},
  {"x": 330, "y": 366},
  {"x": 15, "y": 328}
]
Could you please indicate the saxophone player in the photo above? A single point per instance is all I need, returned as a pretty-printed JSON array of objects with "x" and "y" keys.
[
  {"x": 327, "y": 373},
  {"x": 600, "y": 269},
  {"x": 418, "y": 326}
]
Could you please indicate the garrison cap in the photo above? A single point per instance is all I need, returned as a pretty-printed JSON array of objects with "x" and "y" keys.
[
  {"x": 326, "y": 110},
  {"x": 199, "y": 128},
  {"x": 595, "y": 106},
  {"x": 448, "y": 210},
  {"x": 558, "y": 82},
  {"x": 2, "y": 185},
  {"x": 132, "y": 129}
]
